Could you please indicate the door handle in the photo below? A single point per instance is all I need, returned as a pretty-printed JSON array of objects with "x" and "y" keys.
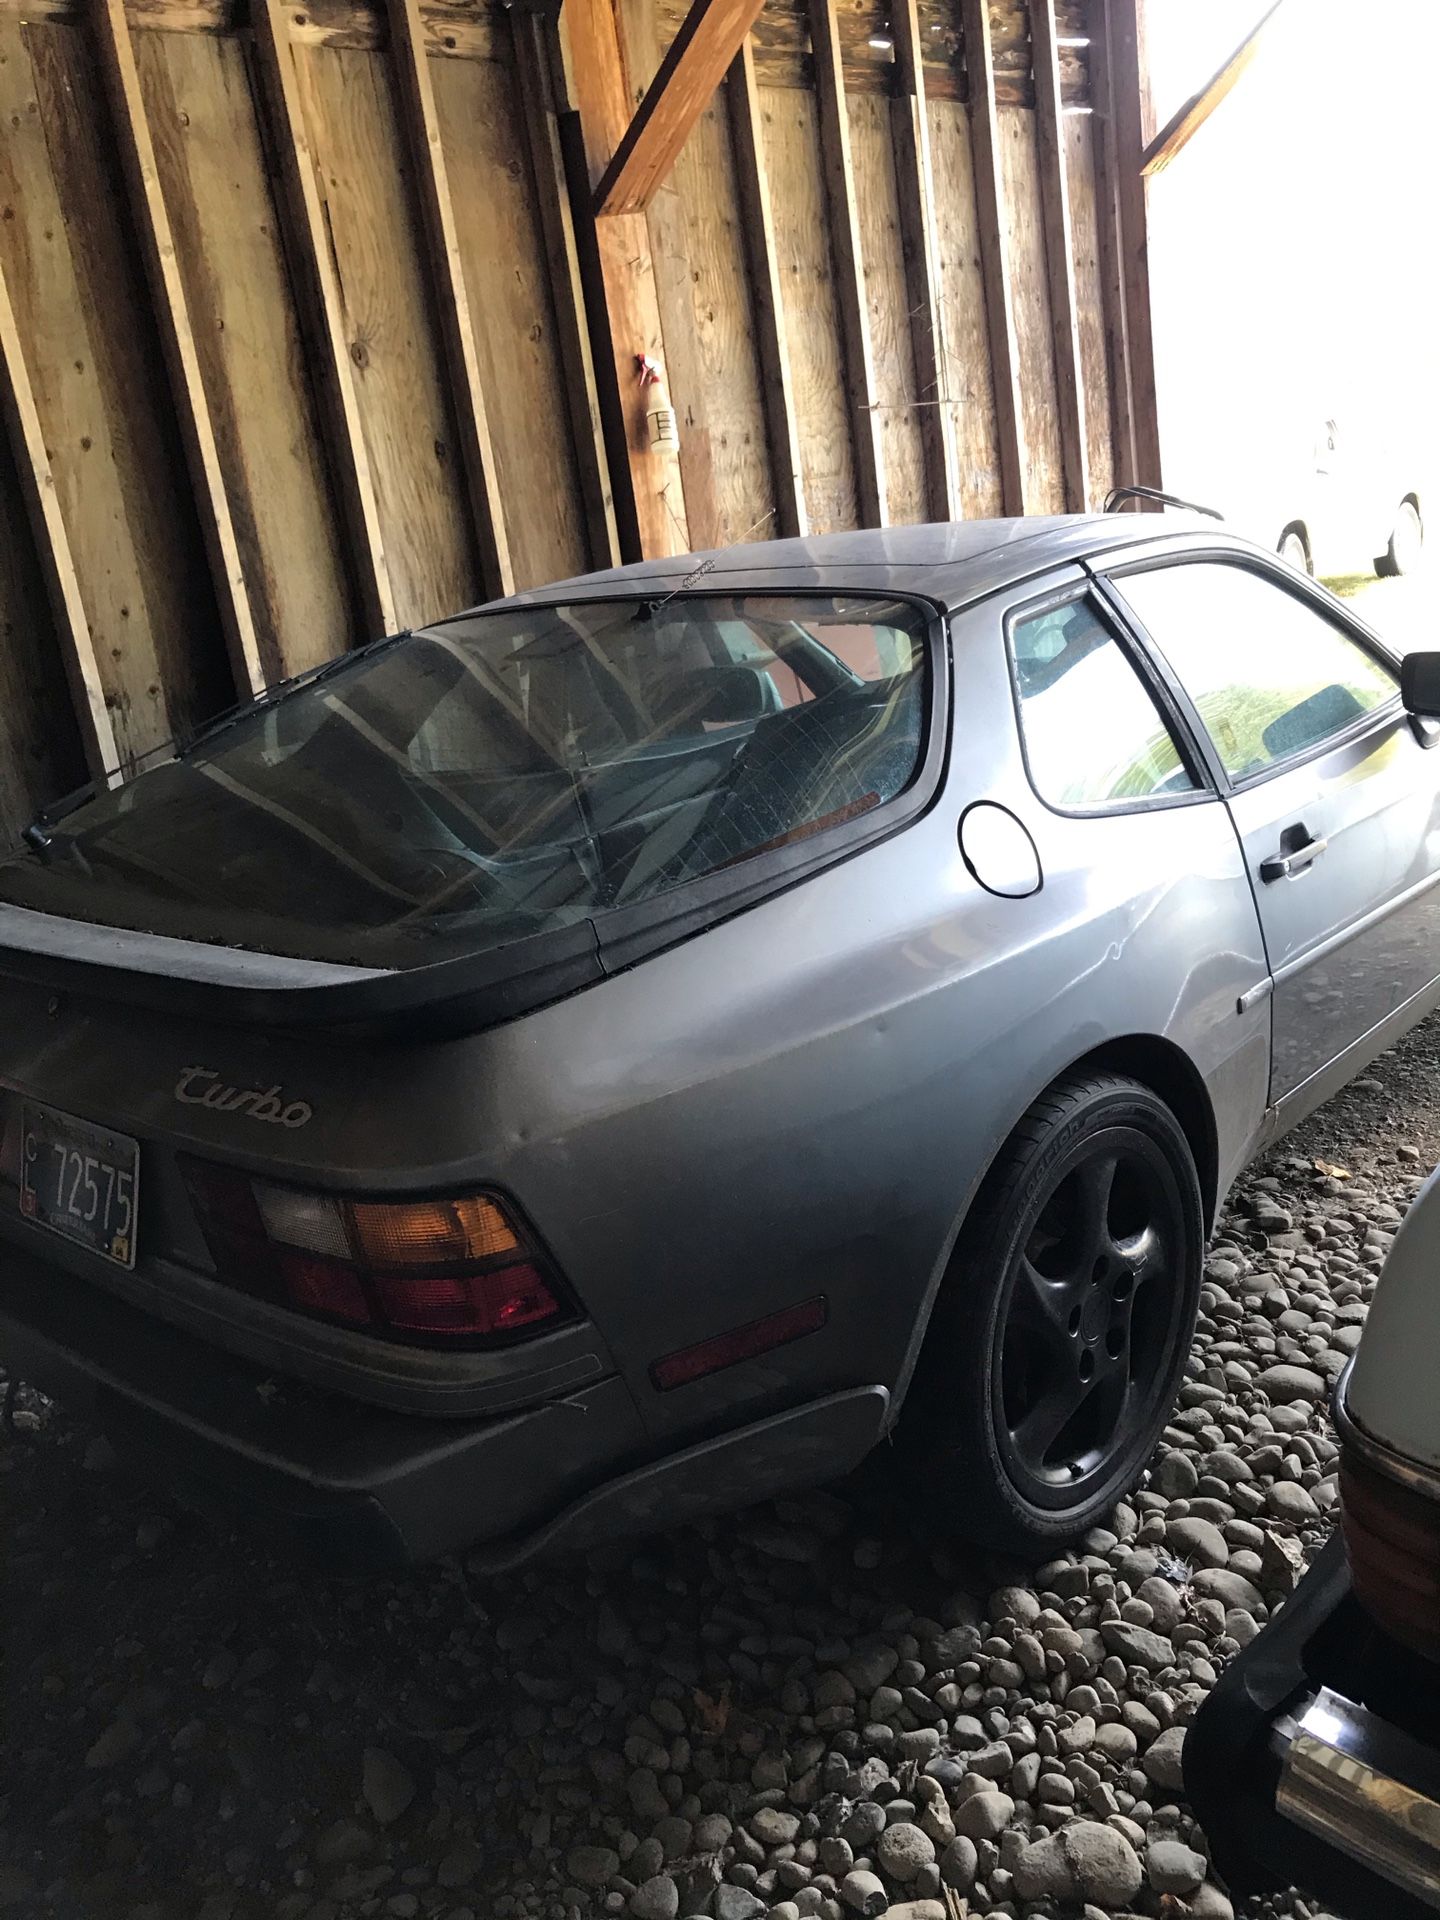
[{"x": 1292, "y": 860}]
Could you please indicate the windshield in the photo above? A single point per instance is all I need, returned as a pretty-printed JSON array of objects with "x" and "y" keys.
[{"x": 458, "y": 788}]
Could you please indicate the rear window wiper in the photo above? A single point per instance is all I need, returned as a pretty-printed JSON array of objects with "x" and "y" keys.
[{"x": 37, "y": 835}]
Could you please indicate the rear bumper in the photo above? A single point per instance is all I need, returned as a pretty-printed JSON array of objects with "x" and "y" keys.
[
  {"x": 1299, "y": 1779},
  {"x": 362, "y": 1487}
]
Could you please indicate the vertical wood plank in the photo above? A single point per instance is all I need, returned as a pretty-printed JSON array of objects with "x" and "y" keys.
[
  {"x": 200, "y": 100},
  {"x": 790, "y": 124},
  {"x": 834, "y": 116},
  {"x": 97, "y": 375},
  {"x": 53, "y": 544},
  {"x": 994, "y": 251},
  {"x": 1122, "y": 54},
  {"x": 920, "y": 236},
  {"x": 887, "y": 306},
  {"x": 703, "y": 310},
  {"x": 1059, "y": 255},
  {"x": 588, "y": 64},
  {"x": 1030, "y": 306},
  {"x": 967, "y": 335},
  {"x": 1110, "y": 249},
  {"x": 177, "y": 335},
  {"x": 547, "y": 162},
  {"x": 312, "y": 249},
  {"x": 752, "y": 179},
  {"x": 452, "y": 295},
  {"x": 40, "y": 748},
  {"x": 352, "y": 118},
  {"x": 1081, "y": 135}
]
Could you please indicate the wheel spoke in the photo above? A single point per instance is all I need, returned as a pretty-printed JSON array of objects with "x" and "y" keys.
[
  {"x": 1038, "y": 1429},
  {"x": 1112, "y": 1395},
  {"x": 1096, "y": 1180},
  {"x": 1143, "y": 1257},
  {"x": 1042, "y": 1303}
]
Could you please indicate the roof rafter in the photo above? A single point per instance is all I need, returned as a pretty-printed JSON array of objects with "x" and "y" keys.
[
  {"x": 710, "y": 36},
  {"x": 1187, "y": 121}
]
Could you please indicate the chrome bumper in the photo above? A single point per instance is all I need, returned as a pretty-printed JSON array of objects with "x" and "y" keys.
[{"x": 1364, "y": 1788}]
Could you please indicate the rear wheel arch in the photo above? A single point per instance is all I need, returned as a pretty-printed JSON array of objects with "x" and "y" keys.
[
  {"x": 1169, "y": 1072},
  {"x": 1157, "y": 1063},
  {"x": 989, "y": 1360}
]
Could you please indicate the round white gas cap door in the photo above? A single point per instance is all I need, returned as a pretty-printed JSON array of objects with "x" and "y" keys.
[{"x": 998, "y": 850}]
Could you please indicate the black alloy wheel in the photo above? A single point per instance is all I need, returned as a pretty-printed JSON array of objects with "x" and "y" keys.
[
  {"x": 1061, "y": 1329},
  {"x": 1088, "y": 1321}
]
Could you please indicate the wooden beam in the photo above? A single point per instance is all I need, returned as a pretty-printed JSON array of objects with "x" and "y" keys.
[
  {"x": 177, "y": 334},
  {"x": 310, "y": 248},
  {"x": 1059, "y": 256},
  {"x": 1120, "y": 83},
  {"x": 752, "y": 183},
  {"x": 624, "y": 305},
  {"x": 834, "y": 115},
  {"x": 920, "y": 238},
  {"x": 1111, "y": 250},
  {"x": 696, "y": 61},
  {"x": 994, "y": 250},
  {"x": 547, "y": 161},
  {"x": 52, "y": 542},
  {"x": 408, "y": 44},
  {"x": 1187, "y": 121}
]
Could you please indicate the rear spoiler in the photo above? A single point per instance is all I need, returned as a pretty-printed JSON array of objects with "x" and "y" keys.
[{"x": 186, "y": 978}]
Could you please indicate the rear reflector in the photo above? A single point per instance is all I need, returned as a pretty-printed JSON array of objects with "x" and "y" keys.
[
  {"x": 740, "y": 1343},
  {"x": 448, "y": 1269},
  {"x": 1392, "y": 1541}
]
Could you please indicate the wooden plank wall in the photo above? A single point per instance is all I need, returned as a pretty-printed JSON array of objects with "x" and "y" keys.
[{"x": 231, "y": 237}]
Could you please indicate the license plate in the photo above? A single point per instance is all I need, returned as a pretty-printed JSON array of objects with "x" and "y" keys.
[{"x": 80, "y": 1180}]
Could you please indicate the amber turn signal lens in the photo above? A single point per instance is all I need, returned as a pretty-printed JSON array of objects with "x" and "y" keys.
[{"x": 430, "y": 1233}]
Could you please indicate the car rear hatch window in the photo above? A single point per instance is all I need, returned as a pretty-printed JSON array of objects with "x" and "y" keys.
[{"x": 459, "y": 788}]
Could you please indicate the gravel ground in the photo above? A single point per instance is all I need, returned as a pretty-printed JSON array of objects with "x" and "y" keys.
[{"x": 809, "y": 1709}]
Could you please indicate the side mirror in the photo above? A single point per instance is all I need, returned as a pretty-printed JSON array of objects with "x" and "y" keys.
[{"x": 1420, "y": 684}]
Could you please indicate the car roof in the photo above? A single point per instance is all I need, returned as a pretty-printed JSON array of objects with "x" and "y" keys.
[{"x": 953, "y": 562}]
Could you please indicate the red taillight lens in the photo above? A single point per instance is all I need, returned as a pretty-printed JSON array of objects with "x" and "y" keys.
[
  {"x": 458, "y": 1268},
  {"x": 502, "y": 1301},
  {"x": 317, "y": 1285}
]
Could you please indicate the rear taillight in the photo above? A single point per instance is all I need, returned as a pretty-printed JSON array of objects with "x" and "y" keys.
[
  {"x": 450, "y": 1269},
  {"x": 1392, "y": 1541}
]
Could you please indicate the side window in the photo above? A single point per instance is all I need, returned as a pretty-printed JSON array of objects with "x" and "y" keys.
[
  {"x": 1269, "y": 674},
  {"x": 1094, "y": 736}
]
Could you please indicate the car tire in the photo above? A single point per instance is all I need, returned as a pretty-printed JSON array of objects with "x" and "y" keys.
[
  {"x": 1066, "y": 1286},
  {"x": 1293, "y": 548},
  {"x": 1407, "y": 541}
]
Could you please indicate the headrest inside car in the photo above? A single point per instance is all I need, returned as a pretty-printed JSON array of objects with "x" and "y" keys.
[{"x": 724, "y": 695}]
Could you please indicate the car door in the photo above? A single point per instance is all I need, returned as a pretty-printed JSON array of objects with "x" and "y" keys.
[{"x": 1332, "y": 791}]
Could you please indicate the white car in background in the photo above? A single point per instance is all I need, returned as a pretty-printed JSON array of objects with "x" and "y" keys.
[
  {"x": 1316, "y": 1760},
  {"x": 1355, "y": 505}
]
